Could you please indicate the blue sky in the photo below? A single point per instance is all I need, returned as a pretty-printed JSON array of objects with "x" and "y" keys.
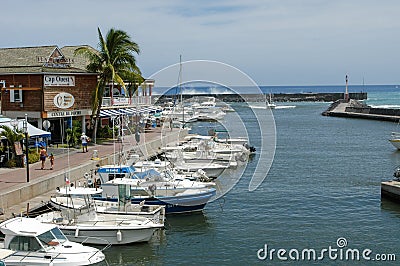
[{"x": 275, "y": 42}]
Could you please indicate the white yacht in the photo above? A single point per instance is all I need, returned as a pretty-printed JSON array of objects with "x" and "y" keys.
[
  {"x": 30, "y": 242},
  {"x": 155, "y": 188},
  {"x": 123, "y": 207},
  {"x": 85, "y": 223},
  {"x": 157, "y": 164},
  {"x": 212, "y": 169}
]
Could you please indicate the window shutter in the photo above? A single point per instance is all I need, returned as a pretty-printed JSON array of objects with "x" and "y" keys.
[
  {"x": 12, "y": 96},
  {"x": 20, "y": 96}
]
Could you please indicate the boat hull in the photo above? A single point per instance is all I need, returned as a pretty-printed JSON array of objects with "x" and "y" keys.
[
  {"x": 44, "y": 259},
  {"x": 181, "y": 203},
  {"x": 395, "y": 143},
  {"x": 106, "y": 236}
]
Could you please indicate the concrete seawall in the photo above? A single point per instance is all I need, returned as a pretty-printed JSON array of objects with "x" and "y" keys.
[
  {"x": 355, "y": 109},
  {"x": 12, "y": 197}
]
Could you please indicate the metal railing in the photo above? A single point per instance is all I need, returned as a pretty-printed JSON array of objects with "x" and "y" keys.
[{"x": 124, "y": 101}]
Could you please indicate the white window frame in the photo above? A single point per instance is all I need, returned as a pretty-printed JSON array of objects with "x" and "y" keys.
[{"x": 17, "y": 93}]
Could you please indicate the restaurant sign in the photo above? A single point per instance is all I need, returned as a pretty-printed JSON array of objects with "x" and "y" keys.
[
  {"x": 64, "y": 100},
  {"x": 59, "y": 80}
]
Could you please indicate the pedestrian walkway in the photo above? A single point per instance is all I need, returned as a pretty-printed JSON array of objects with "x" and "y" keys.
[{"x": 16, "y": 178}]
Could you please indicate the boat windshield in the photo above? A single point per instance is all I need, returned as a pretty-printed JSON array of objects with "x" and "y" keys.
[
  {"x": 146, "y": 174},
  {"x": 52, "y": 238}
]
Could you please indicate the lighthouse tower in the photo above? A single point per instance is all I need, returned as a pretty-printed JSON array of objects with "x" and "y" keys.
[{"x": 346, "y": 94}]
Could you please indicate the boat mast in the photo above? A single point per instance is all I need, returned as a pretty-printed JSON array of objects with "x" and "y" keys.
[
  {"x": 346, "y": 95},
  {"x": 180, "y": 89}
]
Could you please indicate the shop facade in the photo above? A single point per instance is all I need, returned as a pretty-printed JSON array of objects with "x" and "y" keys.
[{"x": 49, "y": 84}]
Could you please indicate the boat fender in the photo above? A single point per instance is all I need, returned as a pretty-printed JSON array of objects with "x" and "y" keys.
[
  {"x": 77, "y": 232},
  {"x": 119, "y": 236}
]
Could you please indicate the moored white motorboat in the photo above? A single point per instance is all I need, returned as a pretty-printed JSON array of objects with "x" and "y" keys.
[
  {"x": 395, "y": 139},
  {"x": 123, "y": 207},
  {"x": 30, "y": 242},
  {"x": 157, "y": 164},
  {"x": 84, "y": 222},
  {"x": 212, "y": 170},
  {"x": 179, "y": 196}
]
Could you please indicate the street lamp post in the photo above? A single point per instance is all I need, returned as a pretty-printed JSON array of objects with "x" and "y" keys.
[
  {"x": 26, "y": 147},
  {"x": 14, "y": 124}
]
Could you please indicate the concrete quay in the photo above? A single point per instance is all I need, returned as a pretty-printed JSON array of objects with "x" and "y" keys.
[
  {"x": 391, "y": 190},
  {"x": 16, "y": 194},
  {"x": 355, "y": 109}
]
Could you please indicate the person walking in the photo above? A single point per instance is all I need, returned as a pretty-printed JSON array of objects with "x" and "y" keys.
[
  {"x": 42, "y": 156},
  {"x": 51, "y": 158},
  {"x": 84, "y": 140}
]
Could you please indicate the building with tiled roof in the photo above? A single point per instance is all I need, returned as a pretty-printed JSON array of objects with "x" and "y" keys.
[{"x": 47, "y": 83}]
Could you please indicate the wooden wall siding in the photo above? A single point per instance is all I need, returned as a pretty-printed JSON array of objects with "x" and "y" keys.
[
  {"x": 82, "y": 92},
  {"x": 27, "y": 81},
  {"x": 37, "y": 99},
  {"x": 31, "y": 95}
]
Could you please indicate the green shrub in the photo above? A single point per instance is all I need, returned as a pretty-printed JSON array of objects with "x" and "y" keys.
[
  {"x": 105, "y": 132},
  {"x": 33, "y": 157},
  {"x": 11, "y": 163}
]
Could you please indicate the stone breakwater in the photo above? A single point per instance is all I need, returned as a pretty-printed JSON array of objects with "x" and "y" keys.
[
  {"x": 356, "y": 109},
  {"x": 276, "y": 97}
]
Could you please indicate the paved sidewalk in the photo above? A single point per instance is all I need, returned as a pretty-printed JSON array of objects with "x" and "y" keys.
[{"x": 65, "y": 158}]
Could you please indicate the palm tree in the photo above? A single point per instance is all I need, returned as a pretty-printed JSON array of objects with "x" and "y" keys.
[
  {"x": 12, "y": 137},
  {"x": 114, "y": 60},
  {"x": 134, "y": 79}
]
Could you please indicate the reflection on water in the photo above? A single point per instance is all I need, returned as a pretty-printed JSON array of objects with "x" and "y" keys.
[
  {"x": 390, "y": 206},
  {"x": 134, "y": 254},
  {"x": 179, "y": 230},
  {"x": 187, "y": 222}
]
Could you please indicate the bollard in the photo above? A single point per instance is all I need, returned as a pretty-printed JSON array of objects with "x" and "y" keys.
[{"x": 95, "y": 155}]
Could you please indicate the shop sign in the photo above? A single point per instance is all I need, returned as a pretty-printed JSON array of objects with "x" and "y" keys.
[
  {"x": 68, "y": 113},
  {"x": 64, "y": 100},
  {"x": 121, "y": 101},
  {"x": 59, "y": 80}
]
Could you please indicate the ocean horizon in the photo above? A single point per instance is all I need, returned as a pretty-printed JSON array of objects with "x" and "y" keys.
[{"x": 379, "y": 96}]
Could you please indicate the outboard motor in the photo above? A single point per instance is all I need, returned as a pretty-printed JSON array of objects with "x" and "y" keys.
[{"x": 396, "y": 173}]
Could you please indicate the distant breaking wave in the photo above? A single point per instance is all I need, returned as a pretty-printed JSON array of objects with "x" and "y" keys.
[
  {"x": 193, "y": 90},
  {"x": 276, "y": 107},
  {"x": 386, "y": 106},
  {"x": 211, "y": 90}
]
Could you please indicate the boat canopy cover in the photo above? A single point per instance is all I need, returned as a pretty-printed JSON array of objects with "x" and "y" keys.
[
  {"x": 24, "y": 226},
  {"x": 148, "y": 173}
]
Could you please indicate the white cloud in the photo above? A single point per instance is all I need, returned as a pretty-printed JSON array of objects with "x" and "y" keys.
[{"x": 275, "y": 42}]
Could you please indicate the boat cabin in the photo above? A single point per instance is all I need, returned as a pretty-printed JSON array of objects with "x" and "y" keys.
[
  {"x": 23, "y": 234},
  {"x": 110, "y": 172}
]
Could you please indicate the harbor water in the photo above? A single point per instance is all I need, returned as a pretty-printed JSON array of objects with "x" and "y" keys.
[{"x": 322, "y": 190}]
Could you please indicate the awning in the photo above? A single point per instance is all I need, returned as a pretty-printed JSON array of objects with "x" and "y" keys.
[
  {"x": 33, "y": 132},
  {"x": 129, "y": 111}
]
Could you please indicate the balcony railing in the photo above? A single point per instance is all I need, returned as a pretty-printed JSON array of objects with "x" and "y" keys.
[{"x": 123, "y": 101}]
